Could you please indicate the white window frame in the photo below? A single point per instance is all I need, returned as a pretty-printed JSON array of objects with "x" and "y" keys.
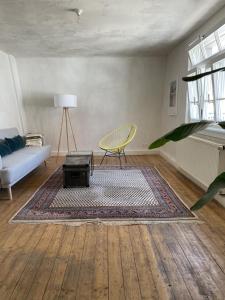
[{"x": 213, "y": 130}]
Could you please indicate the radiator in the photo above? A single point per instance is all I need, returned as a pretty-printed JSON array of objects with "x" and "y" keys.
[{"x": 201, "y": 160}]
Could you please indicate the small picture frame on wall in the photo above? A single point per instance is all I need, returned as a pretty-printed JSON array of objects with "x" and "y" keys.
[{"x": 172, "y": 109}]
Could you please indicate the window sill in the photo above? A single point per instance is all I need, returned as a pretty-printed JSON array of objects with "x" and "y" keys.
[{"x": 213, "y": 133}]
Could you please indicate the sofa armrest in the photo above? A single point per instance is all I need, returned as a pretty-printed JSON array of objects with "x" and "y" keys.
[{"x": 0, "y": 162}]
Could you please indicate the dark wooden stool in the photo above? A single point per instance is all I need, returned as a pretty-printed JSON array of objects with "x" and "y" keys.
[{"x": 76, "y": 171}]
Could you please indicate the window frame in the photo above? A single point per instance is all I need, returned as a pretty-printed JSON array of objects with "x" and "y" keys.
[
  {"x": 206, "y": 63},
  {"x": 204, "y": 36}
]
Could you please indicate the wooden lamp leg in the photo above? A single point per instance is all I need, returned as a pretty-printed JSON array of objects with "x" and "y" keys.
[
  {"x": 72, "y": 130},
  {"x": 60, "y": 135},
  {"x": 68, "y": 124},
  {"x": 67, "y": 134}
]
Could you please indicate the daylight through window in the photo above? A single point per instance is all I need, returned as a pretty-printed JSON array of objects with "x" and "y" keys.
[{"x": 206, "y": 96}]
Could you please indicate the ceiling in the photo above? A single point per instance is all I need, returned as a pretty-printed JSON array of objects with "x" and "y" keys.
[{"x": 107, "y": 27}]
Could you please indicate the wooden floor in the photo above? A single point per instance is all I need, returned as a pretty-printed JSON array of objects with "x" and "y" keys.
[{"x": 161, "y": 261}]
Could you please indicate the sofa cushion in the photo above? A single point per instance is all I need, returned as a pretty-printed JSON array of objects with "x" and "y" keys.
[
  {"x": 4, "y": 149},
  {"x": 16, "y": 165},
  {"x": 15, "y": 143},
  {"x": 20, "y": 140}
]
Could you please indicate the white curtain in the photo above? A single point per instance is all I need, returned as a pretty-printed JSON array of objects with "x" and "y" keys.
[
  {"x": 207, "y": 98},
  {"x": 219, "y": 84},
  {"x": 193, "y": 100}
]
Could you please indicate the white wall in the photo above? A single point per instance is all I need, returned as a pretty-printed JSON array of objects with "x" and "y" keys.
[
  {"x": 176, "y": 67},
  {"x": 10, "y": 97},
  {"x": 111, "y": 91}
]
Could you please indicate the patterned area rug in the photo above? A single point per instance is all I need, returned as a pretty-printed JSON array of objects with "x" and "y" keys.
[{"x": 131, "y": 194}]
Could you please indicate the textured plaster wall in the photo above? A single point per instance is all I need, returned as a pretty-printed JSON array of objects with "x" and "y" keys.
[
  {"x": 10, "y": 97},
  {"x": 111, "y": 91}
]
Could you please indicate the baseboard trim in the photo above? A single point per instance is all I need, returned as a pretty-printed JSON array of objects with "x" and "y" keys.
[
  {"x": 168, "y": 158},
  {"x": 173, "y": 162},
  {"x": 101, "y": 153}
]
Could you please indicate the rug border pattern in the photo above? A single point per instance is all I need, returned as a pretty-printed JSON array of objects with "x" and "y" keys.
[{"x": 37, "y": 208}]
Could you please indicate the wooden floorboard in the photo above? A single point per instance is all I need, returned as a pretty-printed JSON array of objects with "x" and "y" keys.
[
  {"x": 145, "y": 277},
  {"x": 160, "y": 261},
  {"x": 101, "y": 280},
  {"x": 87, "y": 268},
  {"x": 130, "y": 276},
  {"x": 115, "y": 272}
]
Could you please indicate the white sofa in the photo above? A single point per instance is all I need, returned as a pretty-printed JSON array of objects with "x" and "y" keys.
[{"x": 18, "y": 164}]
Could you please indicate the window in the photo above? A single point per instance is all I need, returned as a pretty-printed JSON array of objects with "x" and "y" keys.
[
  {"x": 210, "y": 46},
  {"x": 221, "y": 33},
  {"x": 196, "y": 55},
  {"x": 206, "y": 97}
]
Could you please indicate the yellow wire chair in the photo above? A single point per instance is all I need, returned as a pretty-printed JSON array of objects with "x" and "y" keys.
[{"x": 114, "y": 143}]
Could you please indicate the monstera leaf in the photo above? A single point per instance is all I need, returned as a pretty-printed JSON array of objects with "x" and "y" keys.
[
  {"x": 199, "y": 76},
  {"x": 222, "y": 124},
  {"x": 180, "y": 133},
  {"x": 213, "y": 189}
]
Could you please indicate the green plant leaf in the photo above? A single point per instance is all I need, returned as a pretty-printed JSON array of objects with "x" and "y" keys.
[
  {"x": 213, "y": 189},
  {"x": 180, "y": 133},
  {"x": 158, "y": 143},
  {"x": 222, "y": 124},
  {"x": 199, "y": 76}
]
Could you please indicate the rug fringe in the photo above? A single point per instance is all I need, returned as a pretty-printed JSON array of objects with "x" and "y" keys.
[{"x": 108, "y": 222}]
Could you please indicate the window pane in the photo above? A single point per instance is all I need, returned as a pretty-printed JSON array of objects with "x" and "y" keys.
[
  {"x": 208, "y": 111},
  {"x": 206, "y": 94},
  {"x": 192, "y": 91},
  {"x": 207, "y": 89},
  {"x": 221, "y": 33},
  {"x": 210, "y": 46},
  {"x": 219, "y": 80},
  {"x": 193, "y": 99},
  {"x": 220, "y": 105},
  {"x": 196, "y": 55},
  {"x": 189, "y": 64},
  {"x": 194, "y": 111}
]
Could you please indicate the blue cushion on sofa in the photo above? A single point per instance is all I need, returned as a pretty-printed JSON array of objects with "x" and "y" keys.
[
  {"x": 21, "y": 141},
  {"x": 15, "y": 143},
  {"x": 4, "y": 149}
]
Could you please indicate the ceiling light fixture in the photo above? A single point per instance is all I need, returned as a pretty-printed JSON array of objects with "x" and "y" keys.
[{"x": 78, "y": 12}]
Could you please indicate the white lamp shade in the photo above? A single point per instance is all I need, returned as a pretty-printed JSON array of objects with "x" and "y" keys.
[{"x": 65, "y": 101}]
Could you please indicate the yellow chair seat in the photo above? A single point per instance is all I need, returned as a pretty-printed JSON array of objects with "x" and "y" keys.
[{"x": 115, "y": 141}]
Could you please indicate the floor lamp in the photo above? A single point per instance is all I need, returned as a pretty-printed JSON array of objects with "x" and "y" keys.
[{"x": 66, "y": 102}]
